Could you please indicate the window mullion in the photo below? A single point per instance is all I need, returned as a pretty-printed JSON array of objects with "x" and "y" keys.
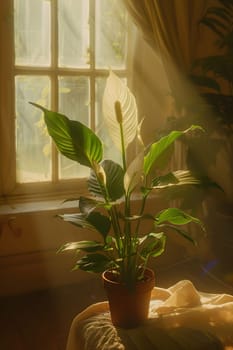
[
  {"x": 92, "y": 63},
  {"x": 54, "y": 79}
]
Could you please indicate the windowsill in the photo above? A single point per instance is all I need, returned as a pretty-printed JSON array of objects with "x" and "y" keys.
[
  {"x": 48, "y": 205},
  {"x": 33, "y": 207}
]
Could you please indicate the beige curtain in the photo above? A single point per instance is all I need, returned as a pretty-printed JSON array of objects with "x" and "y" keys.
[
  {"x": 7, "y": 156},
  {"x": 170, "y": 26}
]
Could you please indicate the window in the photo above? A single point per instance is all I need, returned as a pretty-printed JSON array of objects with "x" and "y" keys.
[{"x": 57, "y": 53}]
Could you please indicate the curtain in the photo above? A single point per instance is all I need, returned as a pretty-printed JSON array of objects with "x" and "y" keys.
[
  {"x": 6, "y": 95},
  {"x": 170, "y": 26},
  {"x": 171, "y": 29}
]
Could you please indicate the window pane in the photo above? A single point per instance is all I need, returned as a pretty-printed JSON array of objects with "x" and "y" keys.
[
  {"x": 110, "y": 34},
  {"x": 74, "y": 103},
  {"x": 32, "y": 141},
  {"x": 110, "y": 150},
  {"x": 32, "y": 32},
  {"x": 73, "y": 25}
]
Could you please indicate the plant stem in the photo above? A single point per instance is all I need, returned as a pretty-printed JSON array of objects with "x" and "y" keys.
[
  {"x": 112, "y": 212},
  {"x": 143, "y": 203}
]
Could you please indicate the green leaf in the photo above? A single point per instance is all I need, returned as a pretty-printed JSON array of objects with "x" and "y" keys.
[
  {"x": 153, "y": 245},
  {"x": 96, "y": 263},
  {"x": 116, "y": 90},
  {"x": 86, "y": 246},
  {"x": 101, "y": 222},
  {"x": 220, "y": 65},
  {"x": 73, "y": 139},
  {"x": 178, "y": 178},
  {"x": 158, "y": 148},
  {"x": 183, "y": 233},
  {"x": 205, "y": 81},
  {"x": 93, "y": 221},
  {"x": 114, "y": 181},
  {"x": 87, "y": 205},
  {"x": 78, "y": 219},
  {"x": 175, "y": 216}
]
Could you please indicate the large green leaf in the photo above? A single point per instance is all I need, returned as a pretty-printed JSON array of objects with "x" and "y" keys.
[
  {"x": 73, "y": 139},
  {"x": 158, "y": 148},
  {"x": 95, "y": 262},
  {"x": 175, "y": 216},
  {"x": 78, "y": 219},
  {"x": 182, "y": 233},
  {"x": 178, "y": 178},
  {"x": 114, "y": 181},
  {"x": 86, "y": 246},
  {"x": 93, "y": 221},
  {"x": 87, "y": 205},
  {"x": 101, "y": 222},
  {"x": 116, "y": 90},
  {"x": 153, "y": 245}
]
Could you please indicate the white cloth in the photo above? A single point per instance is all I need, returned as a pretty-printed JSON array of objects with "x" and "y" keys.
[{"x": 180, "y": 317}]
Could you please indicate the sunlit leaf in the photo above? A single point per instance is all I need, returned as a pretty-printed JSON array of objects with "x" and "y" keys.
[
  {"x": 78, "y": 219},
  {"x": 158, "y": 148},
  {"x": 175, "y": 216},
  {"x": 96, "y": 263},
  {"x": 153, "y": 245},
  {"x": 86, "y": 246},
  {"x": 177, "y": 178},
  {"x": 73, "y": 139}
]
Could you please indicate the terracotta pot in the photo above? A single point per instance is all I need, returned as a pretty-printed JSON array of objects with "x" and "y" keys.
[{"x": 128, "y": 308}]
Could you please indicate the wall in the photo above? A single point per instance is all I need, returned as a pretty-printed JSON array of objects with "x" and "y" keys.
[{"x": 28, "y": 245}]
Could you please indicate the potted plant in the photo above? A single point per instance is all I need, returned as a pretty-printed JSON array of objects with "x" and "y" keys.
[{"x": 124, "y": 248}]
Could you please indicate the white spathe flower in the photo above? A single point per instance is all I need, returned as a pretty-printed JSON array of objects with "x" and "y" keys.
[{"x": 117, "y": 90}]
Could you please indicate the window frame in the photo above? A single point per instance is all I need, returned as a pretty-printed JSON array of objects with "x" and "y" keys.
[{"x": 10, "y": 190}]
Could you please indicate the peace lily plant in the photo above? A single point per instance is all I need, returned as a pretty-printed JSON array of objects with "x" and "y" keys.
[{"x": 124, "y": 245}]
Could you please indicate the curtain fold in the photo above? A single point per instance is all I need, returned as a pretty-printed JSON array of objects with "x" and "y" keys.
[{"x": 170, "y": 26}]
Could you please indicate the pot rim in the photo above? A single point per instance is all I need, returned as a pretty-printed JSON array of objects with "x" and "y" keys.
[{"x": 109, "y": 283}]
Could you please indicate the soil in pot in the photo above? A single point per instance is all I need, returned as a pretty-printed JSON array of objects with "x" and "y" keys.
[{"x": 128, "y": 308}]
